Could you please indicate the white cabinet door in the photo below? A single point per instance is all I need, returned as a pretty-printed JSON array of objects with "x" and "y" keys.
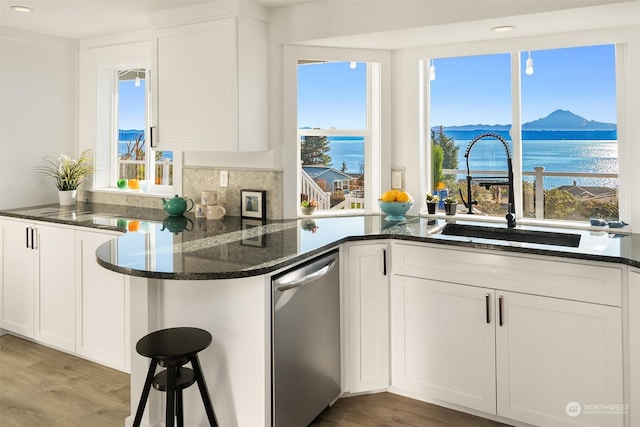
[
  {"x": 634, "y": 346},
  {"x": 102, "y": 306},
  {"x": 55, "y": 320},
  {"x": 443, "y": 342},
  {"x": 552, "y": 353},
  {"x": 368, "y": 318},
  {"x": 210, "y": 86},
  {"x": 19, "y": 276}
]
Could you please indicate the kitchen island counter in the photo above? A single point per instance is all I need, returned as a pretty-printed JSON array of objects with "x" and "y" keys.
[{"x": 189, "y": 248}]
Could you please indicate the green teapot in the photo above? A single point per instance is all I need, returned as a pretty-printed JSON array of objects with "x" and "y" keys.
[
  {"x": 176, "y": 206},
  {"x": 177, "y": 224}
]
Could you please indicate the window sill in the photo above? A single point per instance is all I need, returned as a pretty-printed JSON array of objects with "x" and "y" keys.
[
  {"x": 332, "y": 213},
  {"x": 155, "y": 192}
]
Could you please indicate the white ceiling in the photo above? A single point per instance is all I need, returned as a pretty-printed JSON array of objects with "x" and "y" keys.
[{"x": 78, "y": 19}]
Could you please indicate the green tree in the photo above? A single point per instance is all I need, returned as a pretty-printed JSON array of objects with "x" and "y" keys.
[
  {"x": 559, "y": 204},
  {"x": 436, "y": 164},
  {"x": 314, "y": 149},
  {"x": 449, "y": 148},
  {"x": 449, "y": 155}
]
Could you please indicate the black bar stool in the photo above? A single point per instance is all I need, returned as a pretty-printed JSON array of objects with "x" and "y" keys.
[{"x": 172, "y": 348}]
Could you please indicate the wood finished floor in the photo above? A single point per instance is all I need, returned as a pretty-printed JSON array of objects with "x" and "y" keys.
[{"x": 41, "y": 387}]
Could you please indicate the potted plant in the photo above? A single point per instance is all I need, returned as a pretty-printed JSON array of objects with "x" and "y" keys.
[
  {"x": 450, "y": 206},
  {"x": 68, "y": 174},
  {"x": 307, "y": 207},
  {"x": 432, "y": 201}
]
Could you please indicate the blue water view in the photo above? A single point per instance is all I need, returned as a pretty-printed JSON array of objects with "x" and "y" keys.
[
  {"x": 128, "y": 137},
  {"x": 556, "y": 151}
]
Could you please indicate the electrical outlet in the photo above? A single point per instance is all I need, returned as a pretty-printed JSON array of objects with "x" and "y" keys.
[
  {"x": 224, "y": 178},
  {"x": 396, "y": 180}
]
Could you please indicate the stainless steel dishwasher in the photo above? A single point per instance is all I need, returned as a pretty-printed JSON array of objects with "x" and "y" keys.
[{"x": 305, "y": 340}]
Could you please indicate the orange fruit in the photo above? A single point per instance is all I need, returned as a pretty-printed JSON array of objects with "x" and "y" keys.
[
  {"x": 388, "y": 196},
  {"x": 403, "y": 196}
]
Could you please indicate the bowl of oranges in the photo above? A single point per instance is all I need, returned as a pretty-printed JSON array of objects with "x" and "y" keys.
[{"x": 395, "y": 204}]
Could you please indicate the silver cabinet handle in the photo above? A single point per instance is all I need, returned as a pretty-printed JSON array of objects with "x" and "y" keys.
[{"x": 500, "y": 310}]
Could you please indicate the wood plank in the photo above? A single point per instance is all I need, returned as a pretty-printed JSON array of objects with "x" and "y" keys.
[{"x": 42, "y": 387}]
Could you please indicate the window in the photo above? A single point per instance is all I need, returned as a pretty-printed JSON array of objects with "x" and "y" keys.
[
  {"x": 333, "y": 132},
  {"x": 135, "y": 159},
  {"x": 564, "y": 147}
]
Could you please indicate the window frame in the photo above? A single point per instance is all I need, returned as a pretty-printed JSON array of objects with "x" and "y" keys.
[
  {"x": 377, "y": 152},
  {"x": 107, "y": 134},
  {"x": 624, "y": 174}
]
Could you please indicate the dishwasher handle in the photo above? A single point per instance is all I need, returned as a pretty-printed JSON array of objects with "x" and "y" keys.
[{"x": 308, "y": 278}]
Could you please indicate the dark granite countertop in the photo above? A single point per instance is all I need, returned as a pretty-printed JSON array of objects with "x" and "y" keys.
[{"x": 188, "y": 248}]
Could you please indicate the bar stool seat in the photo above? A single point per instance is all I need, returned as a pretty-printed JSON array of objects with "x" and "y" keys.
[{"x": 173, "y": 348}]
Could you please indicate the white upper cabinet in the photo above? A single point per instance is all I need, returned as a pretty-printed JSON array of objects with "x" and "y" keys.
[{"x": 210, "y": 86}]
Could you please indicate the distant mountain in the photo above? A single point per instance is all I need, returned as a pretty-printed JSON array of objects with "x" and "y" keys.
[
  {"x": 566, "y": 120},
  {"x": 559, "y": 120}
]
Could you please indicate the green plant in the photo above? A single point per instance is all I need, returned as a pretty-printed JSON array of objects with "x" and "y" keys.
[
  {"x": 67, "y": 173},
  {"x": 309, "y": 203},
  {"x": 432, "y": 198},
  {"x": 450, "y": 200}
]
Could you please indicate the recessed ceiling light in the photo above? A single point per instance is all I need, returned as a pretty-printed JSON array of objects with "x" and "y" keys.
[
  {"x": 503, "y": 28},
  {"x": 22, "y": 9}
]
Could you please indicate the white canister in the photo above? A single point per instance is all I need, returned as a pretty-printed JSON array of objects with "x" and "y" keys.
[
  {"x": 215, "y": 212},
  {"x": 210, "y": 197}
]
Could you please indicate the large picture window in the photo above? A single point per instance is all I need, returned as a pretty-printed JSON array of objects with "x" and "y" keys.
[{"x": 564, "y": 148}]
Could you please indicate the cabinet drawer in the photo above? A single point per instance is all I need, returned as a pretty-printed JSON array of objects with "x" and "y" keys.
[{"x": 554, "y": 278}]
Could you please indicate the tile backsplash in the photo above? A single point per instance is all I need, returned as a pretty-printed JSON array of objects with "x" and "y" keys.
[{"x": 196, "y": 179}]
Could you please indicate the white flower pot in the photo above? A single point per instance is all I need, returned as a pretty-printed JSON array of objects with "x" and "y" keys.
[{"x": 67, "y": 198}]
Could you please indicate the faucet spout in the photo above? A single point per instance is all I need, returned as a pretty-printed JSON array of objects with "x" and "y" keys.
[{"x": 488, "y": 182}]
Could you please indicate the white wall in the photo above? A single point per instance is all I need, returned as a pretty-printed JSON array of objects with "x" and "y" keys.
[{"x": 38, "y": 112}]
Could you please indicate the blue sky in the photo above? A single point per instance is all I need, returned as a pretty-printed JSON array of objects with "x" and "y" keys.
[
  {"x": 332, "y": 94},
  {"x": 477, "y": 89},
  {"x": 473, "y": 89},
  {"x": 131, "y": 105}
]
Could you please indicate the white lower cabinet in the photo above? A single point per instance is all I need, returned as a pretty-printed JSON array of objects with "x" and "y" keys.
[
  {"x": 443, "y": 347},
  {"x": 55, "y": 322},
  {"x": 368, "y": 317},
  {"x": 102, "y": 308},
  {"x": 536, "y": 359},
  {"x": 54, "y": 291},
  {"x": 38, "y": 282},
  {"x": 554, "y": 356},
  {"x": 19, "y": 275}
]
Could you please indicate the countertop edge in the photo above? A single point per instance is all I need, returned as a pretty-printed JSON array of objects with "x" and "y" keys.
[{"x": 282, "y": 263}]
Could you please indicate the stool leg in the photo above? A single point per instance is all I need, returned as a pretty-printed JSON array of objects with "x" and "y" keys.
[
  {"x": 171, "y": 395},
  {"x": 202, "y": 385},
  {"x": 145, "y": 392},
  {"x": 179, "y": 409}
]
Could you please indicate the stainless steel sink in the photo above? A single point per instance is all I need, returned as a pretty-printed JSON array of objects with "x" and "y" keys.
[{"x": 513, "y": 234}]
